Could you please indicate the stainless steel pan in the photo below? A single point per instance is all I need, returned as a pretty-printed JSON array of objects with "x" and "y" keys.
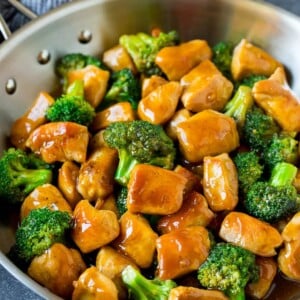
[{"x": 27, "y": 58}]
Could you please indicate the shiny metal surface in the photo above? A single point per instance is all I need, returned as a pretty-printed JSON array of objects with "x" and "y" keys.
[{"x": 61, "y": 31}]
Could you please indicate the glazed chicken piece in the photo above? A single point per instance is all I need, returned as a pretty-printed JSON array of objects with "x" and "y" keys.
[
  {"x": 205, "y": 88},
  {"x": 96, "y": 175},
  {"x": 248, "y": 59},
  {"x": 32, "y": 119},
  {"x": 194, "y": 211},
  {"x": 57, "y": 268},
  {"x": 220, "y": 182},
  {"x": 160, "y": 105},
  {"x": 250, "y": 233},
  {"x": 60, "y": 141},
  {"x": 207, "y": 133},
  {"x": 93, "y": 285},
  {"x": 46, "y": 195},
  {"x": 137, "y": 239},
  {"x": 95, "y": 82},
  {"x": 154, "y": 190},
  {"x": 176, "y": 61},
  {"x": 181, "y": 251},
  {"x": 278, "y": 100},
  {"x": 93, "y": 228},
  {"x": 117, "y": 58},
  {"x": 150, "y": 84},
  {"x": 192, "y": 293},
  {"x": 108, "y": 203}
]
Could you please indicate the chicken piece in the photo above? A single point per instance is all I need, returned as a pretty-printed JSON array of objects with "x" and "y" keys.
[
  {"x": 154, "y": 190},
  {"x": 67, "y": 181},
  {"x": 32, "y": 119},
  {"x": 93, "y": 228},
  {"x": 207, "y": 133},
  {"x": 194, "y": 211},
  {"x": 95, "y": 82},
  {"x": 122, "y": 111},
  {"x": 205, "y": 88},
  {"x": 57, "y": 268},
  {"x": 220, "y": 182},
  {"x": 152, "y": 83},
  {"x": 176, "y": 61},
  {"x": 111, "y": 263},
  {"x": 96, "y": 175},
  {"x": 248, "y": 59},
  {"x": 192, "y": 293},
  {"x": 291, "y": 231},
  {"x": 46, "y": 195},
  {"x": 108, "y": 203},
  {"x": 97, "y": 141},
  {"x": 193, "y": 180},
  {"x": 296, "y": 182},
  {"x": 137, "y": 239},
  {"x": 181, "y": 251},
  {"x": 160, "y": 105},
  {"x": 117, "y": 58},
  {"x": 178, "y": 117},
  {"x": 93, "y": 285},
  {"x": 60, "y": 141},
  {"x": 278, "y": 100},
  {"x": 250, "y": 233},
  {"x": 267, "y": 272}
]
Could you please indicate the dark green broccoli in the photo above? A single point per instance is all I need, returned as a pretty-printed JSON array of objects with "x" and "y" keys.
[
  {"x": 239, "y": 105},
  {"x": 282, "y": 148},
  {"x": 259, "y": 129},
  {"x": 137, "y": 142},
  {"x": 143, "y": 48},
  {"x": 251, "y": 80},
  {"x": 20, "y": 174},
  {"x": 125, "y": 87},
  {"x": 275, "y": 199},
  {"x": 72, "y": 107},
  {"x": 122, "y": 200},
  {"x": 142, "y": 288},
  {"x": 249, "y": 169},
  {"x": 222, "y": 57},
  {"x": 40, "y": 230},
  {"x": 228, "y": 268}
]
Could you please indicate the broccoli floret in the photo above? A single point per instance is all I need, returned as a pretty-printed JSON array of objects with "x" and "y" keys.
[
  {"x": 142, "y": 288},
  {"x": 249, "y": 169},
  {"x": 137, "y": 142},
  {"x": 229, "y": 268},
  {"x": 259, "y": 129},
  {"x": 20, "y": 174},
  {"x": 143, "y": 48},
  {"x": 251, "y": 80},
  {"x": 239, "y": 105},
  {"x": 40, "y": 230},
  {"x": 125, "y": 87},
  {"x": 72, "y": 107},
  {"x": 275, "y": 199},
  {"x": 122, "y": 200},
  {"x": 222, "y": 57},
  {"x": 282, "y": 148}
]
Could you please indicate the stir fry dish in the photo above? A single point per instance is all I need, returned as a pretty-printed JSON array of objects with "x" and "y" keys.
[{"x": 162, "y": 169}]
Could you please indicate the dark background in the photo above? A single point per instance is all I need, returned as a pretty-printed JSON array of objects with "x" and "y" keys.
[{"x": 10, "y": 288}]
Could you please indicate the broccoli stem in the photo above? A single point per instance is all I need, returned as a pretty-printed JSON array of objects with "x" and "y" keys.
[
  {"x": 237, "y": 296},
  {"x": 283, "y": 174},
  {"x": 76, "y": 88}
]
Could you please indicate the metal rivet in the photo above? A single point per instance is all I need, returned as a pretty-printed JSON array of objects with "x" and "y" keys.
[
  {"x": 11, "y": 86},
  {"x": 85, "y": 36},
  {"x": 44, "y": 57}
]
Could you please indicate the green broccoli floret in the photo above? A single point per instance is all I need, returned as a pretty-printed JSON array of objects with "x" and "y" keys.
[
  {"x": 72, "y": 107},
  {"x": 282, "y": 148},
  {"x": 20, "y": 174},
  {"x": 222, "y": 57},
  {"x": 40, "y": 230},
  {"x": 275, "y": 199},
  {"x": 125, "y": 87},
  {"x": 143, "y": 48},
  {"x": 258, "y": 129},
  {"x": 137, "y": 142},
  {"x": 228, "y": 268},
  {"x": 122, "y": 200},
  {"x": 239, "y": 105},
  {"x": 142, "y": 288},
  {"x": 249, "y": 169},
  {"x": 251, "y": 80}
]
